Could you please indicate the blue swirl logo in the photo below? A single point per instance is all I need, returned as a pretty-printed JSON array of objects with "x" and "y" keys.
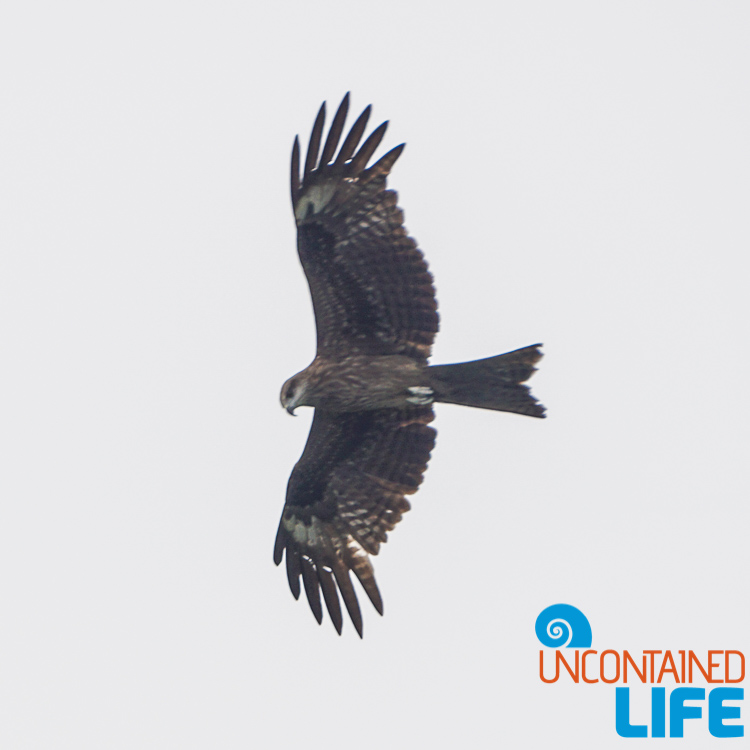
[{"x": 563, "y": 626}]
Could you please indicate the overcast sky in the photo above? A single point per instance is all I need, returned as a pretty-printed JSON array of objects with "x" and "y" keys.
[{"x": 576, "y": 174}]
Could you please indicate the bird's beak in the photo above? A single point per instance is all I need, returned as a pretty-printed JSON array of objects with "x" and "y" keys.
[{"x": 291, "y": 409}]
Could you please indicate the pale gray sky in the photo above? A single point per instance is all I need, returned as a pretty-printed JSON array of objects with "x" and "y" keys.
[{"x": 576, "y": 173}]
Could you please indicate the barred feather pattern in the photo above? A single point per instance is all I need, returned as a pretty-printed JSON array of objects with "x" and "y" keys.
[
  {"x": 345, "y": 493},
  {"x": 370, "y": 285}
]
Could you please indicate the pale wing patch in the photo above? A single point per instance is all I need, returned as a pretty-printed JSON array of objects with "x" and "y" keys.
[
  {"x": 316, "y": 197},
  {"x": 319, "y": 537}
]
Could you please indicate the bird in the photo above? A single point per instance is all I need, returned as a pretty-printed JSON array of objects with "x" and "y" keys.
[{"x": 370, "y": 383}]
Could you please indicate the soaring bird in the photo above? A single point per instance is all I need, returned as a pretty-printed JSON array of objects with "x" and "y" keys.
[{"x": 370, "y": 384}]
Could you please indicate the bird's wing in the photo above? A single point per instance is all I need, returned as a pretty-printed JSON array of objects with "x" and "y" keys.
[
  {"x": 346, "y": 491},
  {"x": 370, "y": 286}
]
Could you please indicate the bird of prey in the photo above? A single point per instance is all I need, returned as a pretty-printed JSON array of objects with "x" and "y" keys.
[{"x": 370, "y": 384}]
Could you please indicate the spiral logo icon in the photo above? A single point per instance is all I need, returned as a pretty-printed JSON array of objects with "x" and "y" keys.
[{"x": 563, "y": 626}]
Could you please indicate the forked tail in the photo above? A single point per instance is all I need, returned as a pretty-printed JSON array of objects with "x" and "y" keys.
[{"x": 492, "y": 383}]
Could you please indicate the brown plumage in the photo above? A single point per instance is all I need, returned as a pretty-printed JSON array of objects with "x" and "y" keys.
[{"x": 372, "y": 389}]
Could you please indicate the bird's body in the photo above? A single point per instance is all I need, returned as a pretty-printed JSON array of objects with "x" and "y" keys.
[
  {"x": 370, "y": 383},
  {"x": 360, "y": 382}
]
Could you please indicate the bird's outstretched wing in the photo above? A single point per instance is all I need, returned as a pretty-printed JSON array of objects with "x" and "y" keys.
[
  {"x": 370, "y": 286},
  {"x": 346, "y": 491}
]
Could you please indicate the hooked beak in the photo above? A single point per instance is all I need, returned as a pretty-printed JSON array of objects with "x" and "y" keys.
[{"x": 291, "y": 396}]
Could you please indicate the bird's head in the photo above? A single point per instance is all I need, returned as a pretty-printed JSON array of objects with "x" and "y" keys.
[{"x": 293, "y": 393}]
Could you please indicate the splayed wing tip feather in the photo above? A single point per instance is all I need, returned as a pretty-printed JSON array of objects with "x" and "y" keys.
[
  {"x": 334, "y": 134},
  {"x": 353, "y": 138}
]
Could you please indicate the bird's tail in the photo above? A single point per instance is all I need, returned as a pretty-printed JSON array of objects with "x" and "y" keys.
[{"x": 492, "y": 383}]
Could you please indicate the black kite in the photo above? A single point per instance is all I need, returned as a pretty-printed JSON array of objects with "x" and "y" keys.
[{"x": 370, "y": 384}]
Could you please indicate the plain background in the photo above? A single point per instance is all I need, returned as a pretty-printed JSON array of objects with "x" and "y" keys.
[{"x": 577, "y": 173}]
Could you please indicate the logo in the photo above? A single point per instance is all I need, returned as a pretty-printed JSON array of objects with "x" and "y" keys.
[
  {"x": 563, "y": 621},
  {"x": 563, "y": 626}
]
